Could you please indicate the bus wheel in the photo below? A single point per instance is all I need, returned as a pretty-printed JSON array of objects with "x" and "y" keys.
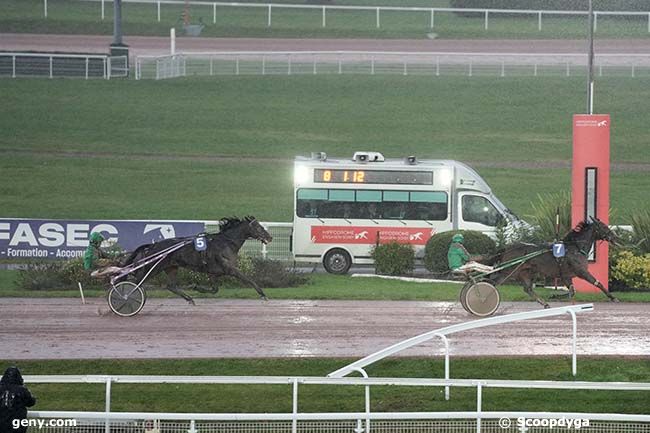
[{"x": 337, "y": 261}]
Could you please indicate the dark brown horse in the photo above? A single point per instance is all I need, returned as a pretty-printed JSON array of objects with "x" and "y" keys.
[
  {"x": 218, "y": 258},
  {"x": 577, "y": 243}
]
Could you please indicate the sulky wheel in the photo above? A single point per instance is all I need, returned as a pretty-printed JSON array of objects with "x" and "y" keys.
[
  {"x": 126, "y": 299},
  {"x": 463, "y": 294},
  {"x": 480, "y": 299}
]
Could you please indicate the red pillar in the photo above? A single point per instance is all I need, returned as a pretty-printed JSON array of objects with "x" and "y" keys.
[{"x": 590, "y": 185}]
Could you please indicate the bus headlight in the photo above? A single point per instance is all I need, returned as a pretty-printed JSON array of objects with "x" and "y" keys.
[
  {"x": 445, "y": 177},
  {"x": 300, "y": 175}
]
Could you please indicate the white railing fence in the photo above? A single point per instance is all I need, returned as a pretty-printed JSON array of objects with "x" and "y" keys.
[
  {"x": 18, "y": 64},
  {"x": 322, "y": 10},
  {"x": 278, "y": 249},
  {"x": 359, "y": 422},
  {"x": 395, "y": 63}
]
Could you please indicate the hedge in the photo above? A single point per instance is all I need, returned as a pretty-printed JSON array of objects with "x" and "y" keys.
[{"x": 435, "y": 252}]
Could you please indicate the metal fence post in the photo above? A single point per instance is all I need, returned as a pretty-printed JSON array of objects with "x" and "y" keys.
[
  {"x": 103, "y": 11},
  {"x": 86, "y": 68},
  {"x": 574, "y": 360},
  {"x": 288, "y": 73},
  {"x": 365, "y": 375},
  {"x": 568, "y": 69},
  {"x": 479, "y": 404},
  {"x": 294, "y": 421},
  {"x": 486, "y": 19},
  {"x": 51, "y": 72},
  {"x": 13, "y": 66},
  {"x": 433, "y": 18},
  {"x": 107, "y": 424},
  {"x": 539, "y": 21},
  {"x": 595, "y": 21},
  {"x": 211, "y": 66},
  {"x": 405, "y": 70},
  {"x": 237, "y": 66},
  {"x": 372, "y": 65},
  {"x": 378, "y": 23},
  {"x": 263, "y": 65},
  {"x": 158, "y": 10},
  {"x": 109, "y": 68},
  {"x": 268, "y": 21},
  {"x": 45, "y": 8},
  {"x": 469, "y": 71},
  {"x": 648, "y": 22},
  {"x": 437, "y": 66},
  {"x": 503, "y": 68},
  {"x": 446, "y": 342},
  {"x": 324, "y": 19},
  {"x": 214, "y": 13}
]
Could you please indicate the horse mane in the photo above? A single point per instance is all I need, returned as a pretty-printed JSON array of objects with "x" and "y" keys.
[
  {"x": 228, "y": 223},
  {"x": 575, "y": 232}
]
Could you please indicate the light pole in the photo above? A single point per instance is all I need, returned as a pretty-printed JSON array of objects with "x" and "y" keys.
[
  {"x": 118, "y": 48},
  {"x": 590, "y": 65}
]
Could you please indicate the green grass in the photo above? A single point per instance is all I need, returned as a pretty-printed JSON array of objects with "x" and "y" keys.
[
  {"x": 324, "y": 286},
  {"x": 277, "y": 398},
  {"x": 135, "y": 129},
  {"x": 78, "y": 17}
]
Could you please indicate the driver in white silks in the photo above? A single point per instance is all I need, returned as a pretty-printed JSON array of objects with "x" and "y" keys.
[{"x": 460, "y": 260}]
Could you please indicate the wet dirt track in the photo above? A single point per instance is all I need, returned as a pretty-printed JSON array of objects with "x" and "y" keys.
[
  {"x": 148, "y": 45},
  {"x": 169, "y": 328}
]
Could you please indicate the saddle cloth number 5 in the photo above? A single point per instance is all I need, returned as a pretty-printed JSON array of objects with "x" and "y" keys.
[{"x": 200, "y": 244}]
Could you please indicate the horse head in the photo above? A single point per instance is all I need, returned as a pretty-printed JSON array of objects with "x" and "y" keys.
[
  {"x": 256, "y": 231},
  {"x": 602, "y": 232}
]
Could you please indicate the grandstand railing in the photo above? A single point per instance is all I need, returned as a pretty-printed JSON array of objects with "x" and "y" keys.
[
  {"x": 365, "y": 421},
  {"x": 396, "y": 63},
  {"x": 377, "y": 10},
  {"x": 53, "y": 65}
]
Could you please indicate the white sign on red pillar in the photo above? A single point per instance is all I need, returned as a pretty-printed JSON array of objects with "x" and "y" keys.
[{"x": 590, "y": 186}]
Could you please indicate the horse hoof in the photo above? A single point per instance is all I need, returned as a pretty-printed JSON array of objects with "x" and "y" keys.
[
  {"x": 546, "y": 306},
  {"x": 615, "y": 300},
  {"x": 264, "y": 298},
  {"x": 191, "y": 301}
]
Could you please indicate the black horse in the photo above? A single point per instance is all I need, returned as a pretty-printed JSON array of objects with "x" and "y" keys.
[
  {"x": 218, "y": 259},
  {"x": 577, "y": 243}
]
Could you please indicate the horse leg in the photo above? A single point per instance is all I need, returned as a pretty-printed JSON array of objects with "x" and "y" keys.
[
  {"x": 213, "y": 289},
  {"x": 172, "y": 285},
  {"x": 569, "y": 285},
  {"x": 527, "y": 281},
  {"x": 585, "y": 275},
  {"x": 241, "y": 277}
]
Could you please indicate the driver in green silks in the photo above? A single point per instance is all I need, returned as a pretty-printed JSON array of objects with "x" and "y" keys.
[
  {"x": 459, "y": 259},
  {"x": 95, "y": 259}
]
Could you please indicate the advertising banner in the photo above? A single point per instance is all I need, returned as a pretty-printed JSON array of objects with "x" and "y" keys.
[
  {"x": 66, "y": 239},
  {"x": 370, "y": 235}
]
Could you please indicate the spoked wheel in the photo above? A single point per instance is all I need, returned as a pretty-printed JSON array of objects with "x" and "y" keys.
[
  {"x": 480, "y": 299},
  {"x": 126, "y": 299}
]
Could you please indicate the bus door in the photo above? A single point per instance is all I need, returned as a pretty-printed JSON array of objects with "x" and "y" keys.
[{"x": 477, "y": 212}]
